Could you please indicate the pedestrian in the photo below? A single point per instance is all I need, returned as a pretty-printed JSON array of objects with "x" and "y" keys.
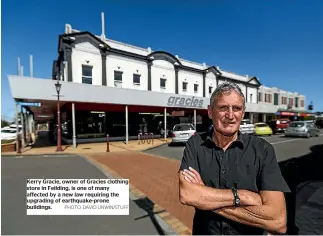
[{"x": 232, "y": 179}]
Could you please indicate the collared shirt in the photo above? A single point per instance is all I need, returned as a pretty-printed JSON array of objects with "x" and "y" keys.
[{"x": 249, "y": 161}]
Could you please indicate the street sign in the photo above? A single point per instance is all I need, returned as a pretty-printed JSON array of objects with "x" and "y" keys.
[{"x": 30, "y": 104}]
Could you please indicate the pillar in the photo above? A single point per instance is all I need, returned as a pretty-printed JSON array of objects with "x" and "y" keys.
[
  {"x": 127, "y": 133},
  {"x": 17, "y": 138},
  {"x": 22, "y": 122},
  {"x": 195, "y": 119},
  {"x": 251, "y": 118},
  {"x": 73, "y": 125},
  {"x": 149, "y": 75},
  {"x": 165, "y": 123},
  {"x": 264, "y": 117}
]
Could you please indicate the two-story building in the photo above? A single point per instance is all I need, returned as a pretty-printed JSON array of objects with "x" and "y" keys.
[
  {"x": 114, "y": 88},
  {"x": 288, "y": 104}
]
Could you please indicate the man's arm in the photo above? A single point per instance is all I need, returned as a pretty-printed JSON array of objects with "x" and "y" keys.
[
  {"x": 205, "y": 198},
  {"x": 271, "y": 215}
]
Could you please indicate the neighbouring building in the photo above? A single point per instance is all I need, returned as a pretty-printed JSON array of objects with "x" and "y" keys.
[{"x": 114, "y": 88}]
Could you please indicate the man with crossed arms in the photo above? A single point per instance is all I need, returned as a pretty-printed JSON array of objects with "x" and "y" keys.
[{"x": 232, "y": 179}]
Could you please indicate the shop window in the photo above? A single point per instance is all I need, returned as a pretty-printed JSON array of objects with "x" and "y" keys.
[{"x": 87, "y": 74}]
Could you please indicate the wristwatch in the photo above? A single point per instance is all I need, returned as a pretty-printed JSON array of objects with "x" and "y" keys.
[{"x": 236, "y": 196}]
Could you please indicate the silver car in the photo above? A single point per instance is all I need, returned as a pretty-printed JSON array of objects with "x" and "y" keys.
[
  {"x": 302, "y": 129},
  {"x": 182, "y": 132}
]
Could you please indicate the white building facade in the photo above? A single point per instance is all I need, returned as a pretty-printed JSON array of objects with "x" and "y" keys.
[{"x": 96, "y": 71}]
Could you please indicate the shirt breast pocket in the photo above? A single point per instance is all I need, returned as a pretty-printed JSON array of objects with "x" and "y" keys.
[{"x": 248, "y": 175}]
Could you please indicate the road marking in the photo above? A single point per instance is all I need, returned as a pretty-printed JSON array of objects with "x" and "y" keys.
[{"x": 285, "y": 141}]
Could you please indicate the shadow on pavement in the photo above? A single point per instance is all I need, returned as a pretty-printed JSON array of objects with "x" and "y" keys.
[
  {"x": 148, "y": 206},
  {"x": 304, "y": 175}
]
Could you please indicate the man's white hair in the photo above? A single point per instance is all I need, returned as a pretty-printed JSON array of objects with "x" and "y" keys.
[{"x": 226, "y": 87}]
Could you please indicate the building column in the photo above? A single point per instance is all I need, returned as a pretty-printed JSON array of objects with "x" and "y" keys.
[
  {"x": 104, "y": 67},
  {"x": 251, "y": 117},
  {"x": 17, "y": 128},
  {"x": 73, "y": 125},
  {"x": 195, "y": 119},
  {"x": 127, "y": 138},
  {"x": 176, "y": 79},
  {"x": 149, "y": 75},
  {"x": 204, "y": 85},
  {"x": 165, "y": 125},
  {"x": 22, "y": 122},
  {"x": 264, "y": 118},
  {"x": 68, "y": 50}
]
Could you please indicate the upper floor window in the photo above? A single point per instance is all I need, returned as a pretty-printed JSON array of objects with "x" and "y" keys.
[
  {"x": 118, "y": 76},
  {"x": 210, "y": 89},
  {"x": 162, "y": 83},
  {"x": 267, "y": 97},
  {"x": 260, "y": 97},
  {"x": 296, "y": 102},
  {"x": 251, "y": 95},
  {"x": 284, "y": 100},
  {"x": 184, "y": 86},
  {"x": 290, "y": 102},
  {"x": 87, "y": 74},
  {"x": 276, "y": 98},
  {"x": 302, "y": 103},
  {"x": 196, "y": 88},
  {"x": 136, "y": 79}
]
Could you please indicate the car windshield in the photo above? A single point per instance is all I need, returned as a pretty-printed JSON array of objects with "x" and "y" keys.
[
  {"x": 261, "y": 125},
  {"x": 245, "y": 122},
  {"x": 8, "y": 131},
  {"x": 296, "y": 124},
  {"x": 183, "y": 127}
]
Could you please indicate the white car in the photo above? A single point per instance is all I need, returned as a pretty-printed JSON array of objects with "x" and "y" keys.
[
  {"x": 182, "y": 132},
  {"x": 246, "y": 127},
  {"x": 9, "y": 133}
]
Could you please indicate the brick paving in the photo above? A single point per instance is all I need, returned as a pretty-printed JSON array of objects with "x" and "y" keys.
[{"x": 155, "y": 177}]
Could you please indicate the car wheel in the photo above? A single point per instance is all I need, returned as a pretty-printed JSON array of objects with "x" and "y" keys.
[{"x": 308, "y": 135}]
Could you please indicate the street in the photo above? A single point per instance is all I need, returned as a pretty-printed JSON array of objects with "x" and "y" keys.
[
  {"x": 301, "y": 162},
  {"x": 14, "y": 220},
  {"x": 285, "y": 147}
]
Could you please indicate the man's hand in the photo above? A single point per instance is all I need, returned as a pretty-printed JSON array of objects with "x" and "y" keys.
[{"x": 192, "y": 176}]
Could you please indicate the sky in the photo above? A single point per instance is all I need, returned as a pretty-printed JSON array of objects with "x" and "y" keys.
[{"x": 280, "y": 42}]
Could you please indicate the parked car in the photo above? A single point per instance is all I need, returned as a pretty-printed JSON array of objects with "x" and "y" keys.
[
  {"x": 182, "y": 132},
  {"x": 319, "y": 123},
  {"x": 263, "y": 129},
  {"x": 279, "y": 125},
  {"x": 9, "y": 133},
  {"x": 302, "y": 129},
  {"x": 246, "y": 127}
]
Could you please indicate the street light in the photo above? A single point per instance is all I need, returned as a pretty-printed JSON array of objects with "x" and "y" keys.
[{"x": 59, "y": 136}]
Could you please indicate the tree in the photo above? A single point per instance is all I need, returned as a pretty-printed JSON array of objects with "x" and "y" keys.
[{"x": 4, "y": 123}]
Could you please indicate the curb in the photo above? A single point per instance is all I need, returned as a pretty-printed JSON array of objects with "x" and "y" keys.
[{"x": 176, "y": 226}]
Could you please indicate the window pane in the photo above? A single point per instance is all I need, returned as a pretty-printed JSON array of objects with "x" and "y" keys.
[
  {"x": 87, "y": 71},
  {"x": 162, "y": 82},
  {"x": 184, "y": 85},
  {"x": 118, "y": 75},
  {"x": 86, "y": 80},
  {"x": 196, "y": 87},
  {"x": 210, "y": 89},
  {"x": 136, "y": 79}
]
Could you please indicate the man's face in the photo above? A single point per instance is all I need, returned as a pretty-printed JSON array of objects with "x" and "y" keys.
[{"x": 227, "y": 113}]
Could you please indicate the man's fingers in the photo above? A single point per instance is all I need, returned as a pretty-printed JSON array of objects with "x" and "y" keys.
[
  {"x": 190, "y": 176},
  {"x": 197, "y": 174},
  {"x": 187, "y": 179}
]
